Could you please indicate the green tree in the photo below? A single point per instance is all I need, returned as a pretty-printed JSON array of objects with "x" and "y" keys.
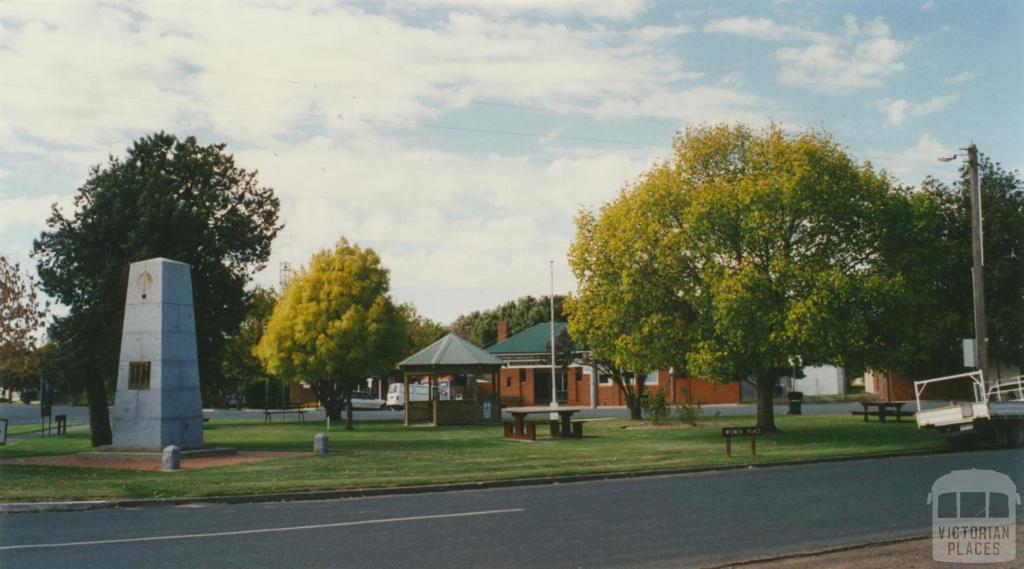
[
  {"x": 239, "y": 365},
  {"x": 946, "y": 235},
  {"x": 632, "y": 307},
  {"x": 758, "y": 244},
  {"x": 22, "y": 316},
  {"x": 481, "y": 326},
  {"x": 420, "y": 330},
  {"x": 167, "y": 198},
  {"x": 334, "y": 326}
]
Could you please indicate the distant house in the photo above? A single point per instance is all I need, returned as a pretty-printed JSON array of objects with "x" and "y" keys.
[
  {"x": 820, "y": 380},
  {"x": 525, "y": 378}
]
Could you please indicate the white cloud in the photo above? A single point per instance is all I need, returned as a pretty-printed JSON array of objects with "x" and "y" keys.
[
  {"x": 329, "y": 103},
  {"x": 911, "y": 165},
  {"x": 610, "y": 9},
  {"x": 759, "y": 28},
  {"x": 964, "y": 77},
  {"x": 929, "y": 6},
  {"x": 895, "y": 110},
  {"x": 861, "y": 56},
  {"x": 482, "y": 228},
  {"x": 899, "y": 109}
]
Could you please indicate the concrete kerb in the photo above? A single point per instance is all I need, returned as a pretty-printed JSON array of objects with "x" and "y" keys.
[
  {"x": 805, "y": 554},
  {"x": 68, "y": 506}
]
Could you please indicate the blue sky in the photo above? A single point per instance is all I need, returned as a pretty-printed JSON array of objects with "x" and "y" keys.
[{"x": 458, "y": 138}]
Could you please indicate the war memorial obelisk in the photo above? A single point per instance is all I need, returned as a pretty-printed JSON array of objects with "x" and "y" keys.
[{"x": 157, "y": 402}]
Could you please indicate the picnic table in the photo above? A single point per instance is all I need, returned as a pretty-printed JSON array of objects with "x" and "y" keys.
[
  {"x": 883, "y": 409},
  {"x": 564, "y": 427}
]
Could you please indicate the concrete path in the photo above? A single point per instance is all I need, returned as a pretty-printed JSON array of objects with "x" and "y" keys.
[{"x": 689, "y": 520}]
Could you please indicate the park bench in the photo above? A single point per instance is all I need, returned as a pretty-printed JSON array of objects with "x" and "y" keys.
[
  {"x": 296, "y": 408},
  {"x": 883, "y": 409}
]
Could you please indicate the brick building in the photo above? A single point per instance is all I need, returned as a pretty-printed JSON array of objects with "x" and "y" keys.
[{"x": 525, "y": 378}]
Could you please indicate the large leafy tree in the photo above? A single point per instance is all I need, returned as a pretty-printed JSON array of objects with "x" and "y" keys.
[
  {"x": 22, "y": 316},
  {"x": 762, "y": 245},
  {"x": 166, "y": 198},
  {"x": 945, "y": 223},
  {"x": 334, "y": 326},
  {"x": 481, "y": 326}
]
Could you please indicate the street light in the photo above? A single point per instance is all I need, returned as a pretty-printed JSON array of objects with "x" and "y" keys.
[{"x": 977, "y": 258}]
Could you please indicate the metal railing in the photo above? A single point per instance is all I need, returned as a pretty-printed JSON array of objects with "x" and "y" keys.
[
  {"x": 1012, "y": 388},
  {"x": 979, "y": 388}
]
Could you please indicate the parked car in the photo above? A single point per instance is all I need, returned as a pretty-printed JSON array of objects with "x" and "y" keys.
[
  {"x": 396, "y": 394},
  {"x": 363, "y": 400}
]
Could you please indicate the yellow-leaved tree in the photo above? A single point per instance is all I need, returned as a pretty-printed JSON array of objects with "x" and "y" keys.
[
  {"x": 334, "y": 326},
  {"x": 747, "y": 248}
]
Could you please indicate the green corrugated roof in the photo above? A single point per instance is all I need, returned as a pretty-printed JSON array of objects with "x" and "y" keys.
[
  {"x": 451, "y": 350},
  {"x": 533, "y": 340}
]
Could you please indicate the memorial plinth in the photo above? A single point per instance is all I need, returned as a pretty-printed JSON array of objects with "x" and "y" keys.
[{"x": 157, "y": 402}]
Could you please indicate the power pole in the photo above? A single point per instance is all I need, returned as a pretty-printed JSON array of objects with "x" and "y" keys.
[{"x": 978, "y": 257}]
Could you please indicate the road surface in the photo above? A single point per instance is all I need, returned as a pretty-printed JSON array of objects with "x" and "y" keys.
[{"x": 668, "y": 521}]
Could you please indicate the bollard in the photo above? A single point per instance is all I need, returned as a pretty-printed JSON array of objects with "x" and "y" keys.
[
  {"x": 171, "y": 458},
  {"x": 320, "y": 443}
]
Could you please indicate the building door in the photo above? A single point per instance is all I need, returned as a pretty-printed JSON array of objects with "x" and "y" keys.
[{"x": 542, "y": 386}]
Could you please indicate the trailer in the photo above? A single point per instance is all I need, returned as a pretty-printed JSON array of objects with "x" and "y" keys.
[{"x": 995, "y": 416}]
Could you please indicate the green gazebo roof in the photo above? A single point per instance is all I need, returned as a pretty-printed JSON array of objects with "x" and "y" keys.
[{"x": 451, "y": 352}]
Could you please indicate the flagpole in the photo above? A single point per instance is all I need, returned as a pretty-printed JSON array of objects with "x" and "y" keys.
[{"x": 554, "y": 392}]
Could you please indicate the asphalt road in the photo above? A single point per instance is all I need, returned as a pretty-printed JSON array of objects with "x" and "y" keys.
[{"x": 669, "y": 521}]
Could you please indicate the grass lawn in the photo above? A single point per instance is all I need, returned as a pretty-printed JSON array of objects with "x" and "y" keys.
[{"x": 385, "y": 454}]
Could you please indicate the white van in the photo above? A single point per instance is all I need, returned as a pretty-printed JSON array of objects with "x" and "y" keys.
[{"x": 396, "y": 394}]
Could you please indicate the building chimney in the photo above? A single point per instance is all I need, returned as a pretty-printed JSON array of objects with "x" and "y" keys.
[{"x": 502, "y": 330}]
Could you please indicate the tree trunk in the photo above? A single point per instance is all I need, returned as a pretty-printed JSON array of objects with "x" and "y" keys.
[
  {"x": 348, "y": 407},
  {"x": 766, "y": 402},
  {"x": 99, "y": 414},
  {"x": 327, "y": 392},
  {"x": 632, "y": 396}
]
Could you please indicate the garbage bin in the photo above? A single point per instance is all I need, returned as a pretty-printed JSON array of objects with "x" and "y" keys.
[{"x": 796, "y": 400}]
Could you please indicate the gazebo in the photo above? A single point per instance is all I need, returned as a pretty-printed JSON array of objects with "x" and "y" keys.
[{"x": 461, "y": 404}]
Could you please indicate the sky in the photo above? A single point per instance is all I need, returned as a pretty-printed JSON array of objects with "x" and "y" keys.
[{"x": 458, "y": 138}]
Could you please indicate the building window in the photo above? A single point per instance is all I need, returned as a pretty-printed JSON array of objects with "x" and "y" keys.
[
  {"x": 138, "y": 375},
  {"x": 522, "y": 374},
  {"x": 508, "y": 382},
  {"x": 605, "y": 379},
  {"x": 652, "y": 378}
]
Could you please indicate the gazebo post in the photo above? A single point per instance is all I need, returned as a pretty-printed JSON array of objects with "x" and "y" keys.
[
  {"x": 405, "y": 387},
  {"x": 495, "y": 396},
  {"x": 435, "y": 397}
]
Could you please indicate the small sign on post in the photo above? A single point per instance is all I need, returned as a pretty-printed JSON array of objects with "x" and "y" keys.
[
  {"x": 730, "y": 432},
  {"x": 3, "y": 431}
]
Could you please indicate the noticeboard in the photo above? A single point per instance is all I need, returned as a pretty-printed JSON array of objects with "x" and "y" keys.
[
  {"x": 741, "y": 431},
  {"x": 46, "y": 401}
]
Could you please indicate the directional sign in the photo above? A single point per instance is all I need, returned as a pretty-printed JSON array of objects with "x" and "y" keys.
[{"x": 741, "y": 431}]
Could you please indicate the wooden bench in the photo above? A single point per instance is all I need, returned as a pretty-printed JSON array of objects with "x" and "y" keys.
[
  {"x": 555, "y": 428},
  {"x": 529, "y": 430},
  {"x": 296, "y": 408}
]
